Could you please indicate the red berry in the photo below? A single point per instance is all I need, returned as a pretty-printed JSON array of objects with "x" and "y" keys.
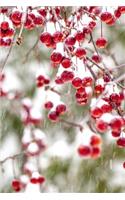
[
  {"x": 96, "y": 112},
  {"x": 34, "y": 180},
  {"x": 61, "y": 108},
  {"x": 79, "y": 36},
  {"x": 116, "y": 124},
  {"x": 95, "y": 152},
  {"x": 99, "y": 89},
  {"x": 16, "y": 16},
  {"x": 67, "y": 76},
  {"x": 66, "y": 62},
  {"x": 106, "y": 16},
  {"x": 48, "y": 105},
  {"x": 39, "y": 20},
  {"x": 70, "y": 41},
  {"x": 46, "y": 38},
  {"x": 16, "y": 185},
  {"x": 92, "y": 25},
  {"x": 77, "y": 82},
  {"x": 53, "y": 115},
  {"x": 124, "y": 165},
  {"x": 4, "y": 25},
  {"x": 42, "y": 12},
  {"x": 95, "y": 140},
  {"x": 121, "y": 9},
  {"x": 96, "y": 58},
  {"x": 84, "y": 150},
  {"x": 101, "y": 42},
  {"x": 115, "y": 98},
  {"x": 121, "y": 142},
  {"x": 101, "y": 126},
  {"x": 87, "y": 81},
  {"x": 116, "y": 133},
  {"x": 56, "y": 57},
  {"x": 117, "y": 13},
  {"x": 58, "y": 36},
  {"x": 41, "y": 180},
  {"x": 80, "y": 52},
  {"x": 81, "y": 90},
  {"x": 106, "y": 108}
]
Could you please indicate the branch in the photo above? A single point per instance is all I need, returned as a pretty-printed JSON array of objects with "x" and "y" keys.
[
  {"x": 6, "y": 59},
  {"x": 30, "y": 50},
  {"x": 72, "y": 124},
  {"x": 11, "y": 157}
]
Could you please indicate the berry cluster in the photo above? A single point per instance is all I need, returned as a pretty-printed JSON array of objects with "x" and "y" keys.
[
  {"x": 78, "y": 60},
  {"x": 93, "y": 150},
  {"x": 55, "y": 110}
]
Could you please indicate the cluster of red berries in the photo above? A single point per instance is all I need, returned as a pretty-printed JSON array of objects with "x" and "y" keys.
[
  {"x": 93, "y": 150},
  {"x": 19, "y": 184},
  {"x": 117, "y": 123},
  {"x": 6, "y": 34},
  {"x": 72, "y": 35},
  {"x": 41, "y": 81},
  {"x": 55, "y": 110},
  {"x": 81, "y": 85}
]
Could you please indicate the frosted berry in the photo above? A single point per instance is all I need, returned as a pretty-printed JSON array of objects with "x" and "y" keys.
[
  {"x": 101, "y": 42},
  {"x": 56, "y": 57},
  {"x": 66, "y": 62}
]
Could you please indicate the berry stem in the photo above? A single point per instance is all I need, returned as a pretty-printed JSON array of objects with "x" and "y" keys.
[{"x": 91, "y": 40}]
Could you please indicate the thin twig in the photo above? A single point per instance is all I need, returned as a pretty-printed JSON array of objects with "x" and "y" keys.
[
  {"x": 72, "y": 124},
  {"x": 91, "y": 71},
  {"x": 91, "y": 40},
  {"x": 6, "y": 59},
  {"x": 11, "y": 157},
  {"x": 30, "y": 50}
]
